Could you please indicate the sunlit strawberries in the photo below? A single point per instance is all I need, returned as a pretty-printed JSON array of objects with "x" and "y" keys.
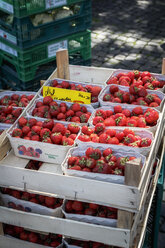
[
  {"x": 46, "y": 131},
  {"x": 137, "y": 117},
  {"x": 124, "y": 137},
  {"x": 97, "y": 161},
  {"x": 137, "y": 95},
  {"x": 47, "y": 108},
  {"x": 137, "y": 78}
]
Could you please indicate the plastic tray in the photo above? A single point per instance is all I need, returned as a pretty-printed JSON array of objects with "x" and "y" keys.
[
  {"x": 126, "y": 89},
  {"x": 156, "y": 75},
  {"x": 80, "y": 151},
  {"x": 24, "y": 34},
  {"x": 50, "y": 153},
  {"x": 142, "y": 133},
  {"x": 124, "y": 106}
]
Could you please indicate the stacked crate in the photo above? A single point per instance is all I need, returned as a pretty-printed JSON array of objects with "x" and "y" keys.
[{"x": 32, "y": 31}]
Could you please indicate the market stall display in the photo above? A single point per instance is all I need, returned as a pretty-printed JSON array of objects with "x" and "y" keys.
[{"x": 132, "y": 198}]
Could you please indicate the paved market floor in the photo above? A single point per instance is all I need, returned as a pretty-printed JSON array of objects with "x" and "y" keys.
[{"x": 130, "y": 34}]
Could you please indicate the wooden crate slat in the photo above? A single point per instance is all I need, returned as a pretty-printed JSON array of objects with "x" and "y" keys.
[{"x": 107, "y": 235}]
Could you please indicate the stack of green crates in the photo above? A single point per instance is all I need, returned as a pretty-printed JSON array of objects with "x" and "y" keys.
[{"x": 31, "y": 32}]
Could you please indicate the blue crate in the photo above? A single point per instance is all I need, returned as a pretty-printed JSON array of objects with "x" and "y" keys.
[{"x": 25, "y": 35}]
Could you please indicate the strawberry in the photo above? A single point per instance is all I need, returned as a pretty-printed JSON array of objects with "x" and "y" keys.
[
  {"x": 137, "y": 111},
  {"x": 76, "y": 107},
  {"x": 113, "y": 80},
  {"x": 84, "y": 118},
  {"x": 126, "y": 112},
  {"x": 109, "y": 122},
  {"x": 97, "y": 119},
  {"x": 73, "y": 128},
  {"x": 142, "y": 91},
  {"x": 48, "y": 124},
  {"x": 99, "y": 127},
  {"x": 17, "y": 132},
  {"x": 145, "y": 142},
  {"x": 87, "y": 130},
  {"x": 22, "y": 121},
  {"x": 56, "y": 138},
  {"x": 111, "y": 132},
  {"x": 25, "y": 130},
  {"x": 103, "y": 138},
  {"x": 117, "y": 109},
  {"x": 90, "y": 163},
  {"x": 101, "y": 112},
  {"x": 113, "y": 89},
  {"x": 93, "y": 153},
  {"x": 59, "y": 128},
  {"x": 45, "y": 133},
  {"x": 47, "y": 100},
  {"x": 95, "y": 90}
]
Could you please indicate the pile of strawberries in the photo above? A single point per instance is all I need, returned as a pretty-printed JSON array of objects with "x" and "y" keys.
[
  {"x": 99, "y": 162},
  {"x": 137, "y": 95},
  {"x": 137, "y": 78},
  {"x": 94, "y": 90},
  {"x": 16, "y": 100},
  {"x": 125, "y": 117},
  {"x": 9, "y": 114},
  {"x": 47, "y": 108},
  {"x": 47, "y": 201},
  {"x": 99, "y": 134},
  {"x": 92, "y": 209},
  {"x": 50, "y": 239},
  {"x": 46, "y": 131},
  {"x": 88, "y": 244}
]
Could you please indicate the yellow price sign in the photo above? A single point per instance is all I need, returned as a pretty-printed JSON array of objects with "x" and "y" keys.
[{"x": 67, "y": 95}]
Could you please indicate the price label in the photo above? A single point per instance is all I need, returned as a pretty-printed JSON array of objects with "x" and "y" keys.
[
  {"x": 55, "y": 3},
  {"x": 67, "y": 95}
]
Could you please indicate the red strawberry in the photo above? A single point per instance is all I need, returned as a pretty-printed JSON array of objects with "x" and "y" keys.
[
  {"x": 93, "y": 153},
  {"x": 97, "y": 119},
  {"x": 113, "y": 89},
  {"x": 95, "y": 90},
  {"x": 137, "y": 111},
  {"x": 22, "y": 121},
  {"x": 59, "y": 128},
  {"x": 56, "y": 138},
  {"x": 17, "y": 132},
  {"x": 99, "y": 127},
  {"x": 45, "y": 133},
  {"x": 47, "y": 100},
  {"x": 101, "y": 112},
  {"x": 145, "y": 142},
  {"x": 48, "y": 124},
  {"x": 118, "y": 109},
  {"x": 76, "y": 107},
  {"x": 73, "y": 128}
]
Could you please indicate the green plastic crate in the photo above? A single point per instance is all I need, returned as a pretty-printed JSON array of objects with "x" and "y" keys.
[
  {"x": 24, "y": 34},
  {"x": 152, "y": 230},
  {"x": 27, "y": 62},
  {"x": 9, "y": 78},
  {"x": 22, "y": 8}
]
